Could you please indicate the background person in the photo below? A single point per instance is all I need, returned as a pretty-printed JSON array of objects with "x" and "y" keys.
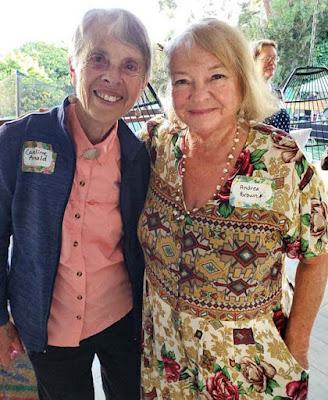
[
  {"x": 73, "y": 182},
  {"x": 265, "y": 53},
  {"x": 228, "y": 199}
]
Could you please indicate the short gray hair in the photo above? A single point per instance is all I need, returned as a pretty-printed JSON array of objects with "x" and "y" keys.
[
  {"x": 259, "y": 44},
  {"x": 122, "y": 24}
]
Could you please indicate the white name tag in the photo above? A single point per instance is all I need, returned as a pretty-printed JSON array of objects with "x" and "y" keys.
[
  {"x": 252, "y": 192},
  {"x": 38, "y": 157}
]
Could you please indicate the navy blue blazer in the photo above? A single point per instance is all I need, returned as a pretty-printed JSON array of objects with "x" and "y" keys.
[{"x": 32, "y": 206}]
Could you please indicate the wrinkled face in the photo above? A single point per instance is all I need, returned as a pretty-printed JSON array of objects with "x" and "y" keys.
[
  {"x": 266, "y": 61},
  {"x": 109, "y": 78},
  {"x": 206, "y": 95}
]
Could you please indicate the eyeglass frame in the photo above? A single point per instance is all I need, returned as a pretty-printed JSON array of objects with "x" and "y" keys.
[{"x": 268, "y": 59}]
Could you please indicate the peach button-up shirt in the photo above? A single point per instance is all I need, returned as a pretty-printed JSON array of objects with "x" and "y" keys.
[{"x": 92, "y": 288}]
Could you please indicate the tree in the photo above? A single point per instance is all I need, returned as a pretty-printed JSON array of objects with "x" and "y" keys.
[
  {"x": 53, "y": 59},
  {"x": 290, "y": 24},
  {"x": 43, "y": 80}
]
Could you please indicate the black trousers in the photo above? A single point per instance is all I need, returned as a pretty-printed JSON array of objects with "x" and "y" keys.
[{"x": 64, "y": 373}]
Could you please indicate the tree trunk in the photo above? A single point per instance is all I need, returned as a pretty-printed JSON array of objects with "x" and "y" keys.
[{"x": 267, "y": 7}]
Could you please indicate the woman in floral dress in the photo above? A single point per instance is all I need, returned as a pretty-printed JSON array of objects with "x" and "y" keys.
[{"x": 228, "y": 200}]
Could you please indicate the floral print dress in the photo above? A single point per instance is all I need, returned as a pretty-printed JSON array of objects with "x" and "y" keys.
[{"x": 216, "y": 296}]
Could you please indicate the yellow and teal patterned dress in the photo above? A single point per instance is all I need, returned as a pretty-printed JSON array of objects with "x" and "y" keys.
[{"x": 215, "y": 294}]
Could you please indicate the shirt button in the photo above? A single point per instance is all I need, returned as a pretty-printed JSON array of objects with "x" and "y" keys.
[
  {"x": 75, "y": 244},
  {"x": 79, "y": 273},
  {"x": 82, "y": 183},
  {"x": 79, "y": 297},
  {"x": 78, "y": 317},
  {"x": 77, "y": 216}
]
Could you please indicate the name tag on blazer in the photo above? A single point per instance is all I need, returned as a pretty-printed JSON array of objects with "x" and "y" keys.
[
  {"x": 252, "y": 192},
  {"x": 38, "y": 157}
]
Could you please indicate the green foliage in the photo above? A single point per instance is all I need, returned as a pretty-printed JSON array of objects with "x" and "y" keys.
[
  {"x": 250, "y": 22},
  {"x": 225, "y": 209},
  {"x": 53, "y": 59},
  {"x": 8, "y": 97},
  {"x": 7, "y": 66},
  {"x": 290, "y": 24},
  {"x": 159, "y": 76},
  {"x": 43, "y": 80},
  {"x": 321, "y": 53}
]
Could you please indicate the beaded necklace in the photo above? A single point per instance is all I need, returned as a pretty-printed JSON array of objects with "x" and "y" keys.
[{"x": 225, "y": 170}]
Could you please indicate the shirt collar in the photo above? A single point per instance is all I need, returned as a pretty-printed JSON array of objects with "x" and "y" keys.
[{"x": 82, "y": 143}]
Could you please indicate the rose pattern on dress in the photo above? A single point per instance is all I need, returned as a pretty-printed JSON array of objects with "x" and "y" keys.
[
  {"x": 279, "y": 319},
  {"x": 246, "y": 164},
  {"x": 169, "y": 365},
  {"x": 319, "y": 216},
  {"x": 293, "y": 249},
  {"x": 243, "y": 166},
  {"x": 259, "y": 374},
  {"x": 219, "y": 387},
  {"x": 291, "y": 152},
  {"x": 296, "y": 390},
  {"x": 172, "y": 369}
]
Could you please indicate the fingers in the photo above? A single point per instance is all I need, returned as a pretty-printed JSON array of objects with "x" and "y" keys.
[
  {"x": 17, "y": 346},
  {"x": 10, "y": 344}
]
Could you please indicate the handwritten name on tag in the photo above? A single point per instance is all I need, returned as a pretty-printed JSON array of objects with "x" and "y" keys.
[
  {"x": 252, "y": 192},
  {"x": 38, "y": 157}
]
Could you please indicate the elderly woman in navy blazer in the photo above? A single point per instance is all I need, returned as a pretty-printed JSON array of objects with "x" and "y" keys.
[{"x": 73, "y": 182}]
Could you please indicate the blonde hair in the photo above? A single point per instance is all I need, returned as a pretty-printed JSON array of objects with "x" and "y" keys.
[
  {"x": 259, "y": 44},
  {"x": 231, "y": 48},
  {"x": 121, "y": 24}
]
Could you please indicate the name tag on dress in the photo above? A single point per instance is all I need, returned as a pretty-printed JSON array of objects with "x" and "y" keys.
[
  {"x": 38, "y": 157},
  {"x": 252, "y": 192}
]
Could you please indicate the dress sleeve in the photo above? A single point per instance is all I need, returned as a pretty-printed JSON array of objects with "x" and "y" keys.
[{"x": 308, "y": 236}]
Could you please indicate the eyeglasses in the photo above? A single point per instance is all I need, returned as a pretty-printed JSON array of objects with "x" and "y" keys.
[
  {"x": 100, "y": 62},
  {"x": 268, "y": 59}
]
